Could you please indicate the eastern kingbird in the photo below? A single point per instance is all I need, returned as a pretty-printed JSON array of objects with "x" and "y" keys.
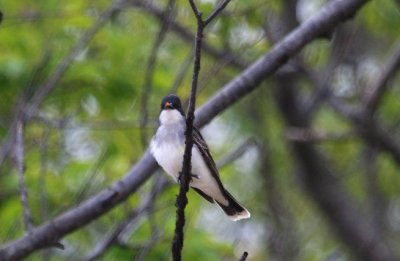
[{"x": 168, "y": 146}]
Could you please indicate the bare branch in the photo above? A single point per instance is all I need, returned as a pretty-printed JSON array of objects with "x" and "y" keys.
[
  {"x": 378, "y": 88},
  {"x": 378, "y": 204},
  {"x": 216, "y": 12},
  {"x": 182, "y": 72},
  {"x": 19, "y": 156},
  {"x": 325, "y": 20},
  {"x": 316, "y": 135},
  {"x": 185, "y": 177},
  {"x": 104, "y": 244},
  {"x": 185, "y": 174},
  {"x": 244, "y": 256},
  {"x": 362, "y": 237},
  {"x": 329, "y": 17},
  {"x": 371, "y": 129},
  {"x": 43, "y": 193},
  {"x": 50, "y": 232},
  {"x": 196, "y": 11},
  {"x": 236, "y": 153},
  {"x": 188, "y": 36}
]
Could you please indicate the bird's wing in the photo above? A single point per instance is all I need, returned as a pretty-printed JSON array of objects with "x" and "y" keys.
[{"x": 205, "y": 152}]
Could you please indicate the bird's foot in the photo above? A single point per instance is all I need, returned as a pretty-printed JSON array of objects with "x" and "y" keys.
[{"x": 181, "y": 176}]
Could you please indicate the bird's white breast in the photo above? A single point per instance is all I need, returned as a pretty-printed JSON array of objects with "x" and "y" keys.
[
  {"x": 168, "y": 146},
  {"x": 169, "y": 156}
]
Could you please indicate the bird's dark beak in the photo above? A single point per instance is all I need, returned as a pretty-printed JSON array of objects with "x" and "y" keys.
[{"x": 168, "y": 105}]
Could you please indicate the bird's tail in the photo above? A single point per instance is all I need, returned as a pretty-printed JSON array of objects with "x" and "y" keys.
[{"x": 233, "y": 210}]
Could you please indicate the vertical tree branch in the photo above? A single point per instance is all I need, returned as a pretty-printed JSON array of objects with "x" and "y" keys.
[
  {"x": 185, "y": 177},
  {"x": 43, "y": 193},
  {"x": 181, "y": 200},
  {"x": 376, "y": 91},
  {"x": 19, "y": 156},
  {"x": 244, "y": 256},
  {"x": 377, "y": 203},
  {"x": 319, "y": 180}
]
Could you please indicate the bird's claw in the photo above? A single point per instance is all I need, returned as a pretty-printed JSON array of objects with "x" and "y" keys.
[{"x": 181, "y": 176}]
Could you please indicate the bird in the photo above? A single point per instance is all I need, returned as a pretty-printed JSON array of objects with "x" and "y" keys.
[{"x": 167, "y": 147}]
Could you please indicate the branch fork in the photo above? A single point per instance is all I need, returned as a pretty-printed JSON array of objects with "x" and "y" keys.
[{"x": 185, "y": 176}]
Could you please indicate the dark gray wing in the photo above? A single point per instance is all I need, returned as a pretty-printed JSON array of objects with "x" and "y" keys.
[
  {"x": 205, "y": 152},
  {"x": 233, "y": 208}
]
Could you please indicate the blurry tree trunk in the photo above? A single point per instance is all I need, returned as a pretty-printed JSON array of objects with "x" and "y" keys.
[{"x": 359, "y": 234}]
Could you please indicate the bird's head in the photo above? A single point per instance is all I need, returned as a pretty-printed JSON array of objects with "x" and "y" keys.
[{"x": 171, "y": 110}]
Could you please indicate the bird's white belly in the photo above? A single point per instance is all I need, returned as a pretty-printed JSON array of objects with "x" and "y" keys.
[{"x": 170, "y": 158}]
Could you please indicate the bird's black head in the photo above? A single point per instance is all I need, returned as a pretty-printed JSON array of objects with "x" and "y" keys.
[{"x": 171, "y": 102}]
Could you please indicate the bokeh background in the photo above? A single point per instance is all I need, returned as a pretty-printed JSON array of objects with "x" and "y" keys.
[{"x": 93, "y": 74}]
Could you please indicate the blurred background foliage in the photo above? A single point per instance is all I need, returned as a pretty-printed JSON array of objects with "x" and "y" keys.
[{"x": 90, "y": 129}]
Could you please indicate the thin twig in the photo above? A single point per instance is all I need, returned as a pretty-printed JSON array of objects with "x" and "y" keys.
[
  {"x": 215, "y": 12},
  {"x": 378, "y": 204},
  {"x": 324, "y": 187},
  {"x": 105, "y": 243},
  {"x": 378, "y": 88},
  {"x": 186, "y": 35},
  {"x": 19, "y": 156},
  {"x": 317, "y": 135},
  {"x": 181, "y": 200},
  {"x": 43, "y": 193},
  {"x": 182, "y": 72},
  {"x": 244, "y": 256},
  {"x": 37, "y": 71},
  {"x": 89, "y": 180},
  {"x": 239, "y": 151},
  {"x": 371, "y": 129},
  {"x": 155, "y": 231}
]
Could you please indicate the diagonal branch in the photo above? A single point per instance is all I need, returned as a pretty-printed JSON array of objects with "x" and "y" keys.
[
  {"x": 325, "y": 20},
  {"x": 105, "y": 243},
  {"x": 369, "y": 128},
  {"x": 244, "y": 256},
  {"x": 328, "y": 18},
  {"x": 215, "y": 12},
  {"x": 187, "y": 35},
  {"x": 378, "y": 88}
]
